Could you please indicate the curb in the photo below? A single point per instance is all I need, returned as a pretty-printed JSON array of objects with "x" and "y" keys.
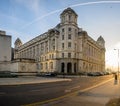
[
  {"x": 64, "y": 96},
  {"x": 35, "y": 82}
]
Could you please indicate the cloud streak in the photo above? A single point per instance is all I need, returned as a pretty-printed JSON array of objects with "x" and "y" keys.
[
  {"x": 30, "y": 4},
  {"x": 75, "y": 5}
]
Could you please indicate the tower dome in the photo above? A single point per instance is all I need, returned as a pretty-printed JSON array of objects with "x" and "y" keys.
[
  {"x": 68, "y": 10},
  {"x": 101, "y": 41},
  {"x": 68, "y": 16},
  {"x": 17, "y": 43}
]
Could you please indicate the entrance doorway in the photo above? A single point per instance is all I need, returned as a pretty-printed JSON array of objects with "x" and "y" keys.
[
  {"x": 62, "y": 67},
  {"x": 74, "y": 67},
  {"x": 69, "y": 68}
]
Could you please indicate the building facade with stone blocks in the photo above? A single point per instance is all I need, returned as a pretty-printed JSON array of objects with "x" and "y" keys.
[
  {"x": 5, "y": 47},
  {"x": 64, "y": 49}
]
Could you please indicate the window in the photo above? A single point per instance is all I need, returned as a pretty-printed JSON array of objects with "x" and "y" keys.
[
  {"x": 75, "y": 47},
  {"x": 63, "y": 30},
  {"x": 69, "y": 44},
  {"x": 38, "y": 66},
  {"x": 69, "y": 17},
  {"x": 62, "y": 37},
  {"x": 52, "y": 56},
  {"x": 53, "y": 41},
  {"x": 45, "y": 57},
  {"x": 75, "y": 31},
  {"x": 62, "y": 55},
  {"x": 69, "y": 55},
  {"x": 51, "y": 65},
  {"x": 69, "y": 29},
  {"x": 41, "y": 66},
  {"x": 46, "y": 65},
  {"x": 63, "y": 19},
  {"x": 75, "y": 55},
  {"x": 54, "y": 47},
  {"x": 69, "y": 36},
  {"x": 62, "y": 45}
]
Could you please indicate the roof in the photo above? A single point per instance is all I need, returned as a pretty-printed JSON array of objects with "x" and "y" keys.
[
  {"x": 18, "y": 40},
  {"x": 101, "y": 39},
  {"x": 69, "y": 10}
]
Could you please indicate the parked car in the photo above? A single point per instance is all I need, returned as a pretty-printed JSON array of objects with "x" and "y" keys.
[
  {"x": 50, "y": 74},
  {"x": 95, "y": 73}
]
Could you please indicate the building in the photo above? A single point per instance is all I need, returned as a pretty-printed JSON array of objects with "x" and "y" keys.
[
  {"x": 5, "y": 47},
  {"x": 64, "y": 49}
]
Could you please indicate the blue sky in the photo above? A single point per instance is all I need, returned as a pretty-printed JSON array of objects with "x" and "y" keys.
[{"x": 27, "y": 19}]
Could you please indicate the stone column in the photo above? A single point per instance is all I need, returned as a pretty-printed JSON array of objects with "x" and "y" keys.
[
  {"x": 55, "y": 43},
  {"x": 72, "y": 63},
  {"x": 48, "y": 44},
  {"x": 32, "y": 53},
  {"x": 39, "y": 50},
  {"x": 44, "y": 48},
  {"x": 65, "y": 67}
]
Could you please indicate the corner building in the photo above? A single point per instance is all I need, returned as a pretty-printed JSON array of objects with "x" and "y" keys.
[
  {"x": 64, "y": 49},
  {"x": 5, "y": 47}
]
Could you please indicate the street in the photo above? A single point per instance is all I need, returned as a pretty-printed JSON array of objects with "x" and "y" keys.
[
  {"x": 97, "y": 96},
  {"x": 17, "y": 95}
]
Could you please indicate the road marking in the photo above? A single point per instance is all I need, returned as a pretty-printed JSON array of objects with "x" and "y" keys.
[
  {"x": 61, "y": 97},
  {"x": 2, "y": 93},
  {"x": 67, "y": 90},
  {"x": 35, "y": 90},
  {"x": 94, "y": 86},
  {"x": 71, "y": 89}
]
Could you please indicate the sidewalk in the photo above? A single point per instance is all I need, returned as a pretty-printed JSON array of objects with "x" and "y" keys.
[
  {"x": 30, "y": 80},
  {"x": 98, "y": 96}
]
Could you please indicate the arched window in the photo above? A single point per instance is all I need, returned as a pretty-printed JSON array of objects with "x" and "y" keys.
[
  {"x": 62, "y": 55},
  {"x": 53, "y": 44},
  {"x": 62, "y": 45},
  {"x": 69, "y": 68},
  {"x": 51, "y": 65},
  {"x": 53, "y": 41},
  {"x": 46, "y": 66},
  {"x": 41, "y": 66},
  {"x": 69, "y": 17}
]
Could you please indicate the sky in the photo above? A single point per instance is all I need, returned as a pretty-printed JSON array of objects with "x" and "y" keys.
[{"x": 27, "y": 19}]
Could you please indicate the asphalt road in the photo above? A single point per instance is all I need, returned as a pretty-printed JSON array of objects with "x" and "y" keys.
[
  {"x": 26, "y": 94},
  {"x": 98, "y": 96}
]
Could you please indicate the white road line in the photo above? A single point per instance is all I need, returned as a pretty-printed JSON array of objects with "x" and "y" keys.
[
  {"x": 71, "y": 89},
  {"x": 35, "y": 90}
]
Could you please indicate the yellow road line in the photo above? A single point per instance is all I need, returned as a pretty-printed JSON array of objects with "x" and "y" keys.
[{"x": 61, "y": 97}]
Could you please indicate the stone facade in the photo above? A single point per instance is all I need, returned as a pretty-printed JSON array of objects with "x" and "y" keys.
[
  {"x": 64, "y": 49},
  {"x": 20, "y": 67},
  {"x": 5, "y": 47}
]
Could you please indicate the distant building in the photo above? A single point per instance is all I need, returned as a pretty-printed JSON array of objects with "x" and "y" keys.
[
  {"x": 63, "y": 49},
  {"x": 5, "y": 47}
]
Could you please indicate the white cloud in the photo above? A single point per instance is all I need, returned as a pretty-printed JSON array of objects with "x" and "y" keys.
[
  {"x": 33, "y": 5},
  {"x": 112, "y": 56},
  {"x": 9, "y": 19},
  {"x": 117, "y": 46}
]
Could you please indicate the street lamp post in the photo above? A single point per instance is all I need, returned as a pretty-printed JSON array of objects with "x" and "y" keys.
[{"x": 118, "y": 60}]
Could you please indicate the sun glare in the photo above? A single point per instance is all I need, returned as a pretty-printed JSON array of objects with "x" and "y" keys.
[{"x": 112, "y": 58}]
